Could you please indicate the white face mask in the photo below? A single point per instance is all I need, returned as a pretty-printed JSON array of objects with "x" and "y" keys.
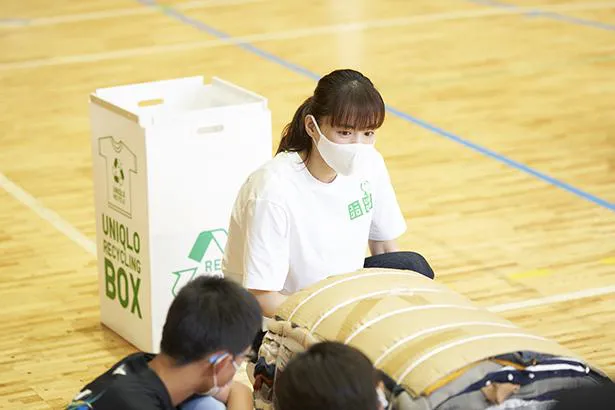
[
  {"x": 215, "y": 388},
  {"x": 382, "y": 398},
  {"x": 344, "y": 159}
]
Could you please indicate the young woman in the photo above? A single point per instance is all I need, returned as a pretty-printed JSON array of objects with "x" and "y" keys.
[{"x": 312, "y": 210}]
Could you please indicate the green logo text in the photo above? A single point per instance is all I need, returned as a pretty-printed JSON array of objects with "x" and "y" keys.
[
  {"x": 207, "y": 252},
  {"x": 361, "y": 206},
  {"x": 122, "y": 265}
]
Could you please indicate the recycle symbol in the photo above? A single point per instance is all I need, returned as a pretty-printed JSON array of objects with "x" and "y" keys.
[
  {"x": 118, "y": 172},
  {"x": 207, "y": 252}
]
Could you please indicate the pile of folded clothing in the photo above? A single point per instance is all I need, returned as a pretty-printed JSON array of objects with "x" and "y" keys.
[{"x": 434, "y": 348}]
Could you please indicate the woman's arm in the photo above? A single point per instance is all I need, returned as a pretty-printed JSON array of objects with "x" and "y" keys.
[
  {"x": 380, "y": 247},
  {"x": 257, "y": 251},
  {"x": 388, "y": 222},
  {"x": 240, "y": 398},
  {"x": 269, "y": 301}
]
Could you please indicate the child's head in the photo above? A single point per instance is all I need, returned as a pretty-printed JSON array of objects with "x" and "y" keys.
[
  {"x": 211, "y": 321},
  {"x": 328, "y": 376}
]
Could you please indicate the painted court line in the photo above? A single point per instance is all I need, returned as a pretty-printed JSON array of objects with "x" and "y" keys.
[
  {"x": 253, "y": 38},
  {"x": 201, "y": 26},
  {"x": 261, "y": 37},
  {"x": 13, "y": 22},
  {"x": 110, "y": 14},
  {"x": 198, "y": 4},
  {"x": 109, "y": 56},
  {"x": 47, "y": 214},
  {"x": 543, "y": 12},
  {"x": 521, "y": 68},
  {"x": 505, "y": 160},
  {"x": 86, "y": 243},
  {"x": 76, "y": 236},
  {"x": 549, "y": 300}
]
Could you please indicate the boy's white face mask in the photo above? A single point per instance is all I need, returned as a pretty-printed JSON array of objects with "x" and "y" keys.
[
  {"x": 382, "y": 398},
  {"x": 215, "y": 389},
  {"x": 344, "y": 159}
]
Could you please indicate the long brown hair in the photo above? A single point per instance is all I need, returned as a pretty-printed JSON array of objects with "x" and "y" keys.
[{"x": 347, "y": 97}]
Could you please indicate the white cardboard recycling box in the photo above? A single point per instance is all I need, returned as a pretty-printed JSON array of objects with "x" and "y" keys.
[{"x": 169, "y": 158}]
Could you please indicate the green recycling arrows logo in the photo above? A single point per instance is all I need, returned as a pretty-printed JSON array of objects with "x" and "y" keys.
[{"x": 207, "y": 252}]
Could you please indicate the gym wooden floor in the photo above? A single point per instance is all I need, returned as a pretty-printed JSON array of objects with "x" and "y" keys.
[{"x": 500, "y": 142}]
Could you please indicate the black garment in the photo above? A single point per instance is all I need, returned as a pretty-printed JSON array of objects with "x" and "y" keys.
[
  {"x": 594, "y": 398},
  {"x": 129, "y": 385},
  {"x": 400, "y": 260}
]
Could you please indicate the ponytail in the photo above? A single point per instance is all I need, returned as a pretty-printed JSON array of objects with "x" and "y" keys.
[{"x": 294, "y": 137}]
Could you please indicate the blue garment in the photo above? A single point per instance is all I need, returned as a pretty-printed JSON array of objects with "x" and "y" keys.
[{"x": 202, "y": 403}]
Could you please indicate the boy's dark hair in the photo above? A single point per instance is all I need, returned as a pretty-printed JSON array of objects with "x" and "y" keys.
[
  {"x": 210, "y": 314},
  {"x": 328, "y": 376}
]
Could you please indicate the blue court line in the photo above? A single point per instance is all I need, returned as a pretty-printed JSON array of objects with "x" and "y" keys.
[
  {"x": 532, "y": 12},
  {"x": 169, "y": 11}
]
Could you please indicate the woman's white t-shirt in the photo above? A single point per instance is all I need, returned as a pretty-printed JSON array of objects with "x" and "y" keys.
[{"x": 288, "y": 230}]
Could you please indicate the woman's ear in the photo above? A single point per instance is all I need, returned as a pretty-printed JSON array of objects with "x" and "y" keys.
[{"x": 310, "y": 128}]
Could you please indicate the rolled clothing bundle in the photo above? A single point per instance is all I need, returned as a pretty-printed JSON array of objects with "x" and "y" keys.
[{"x": 434, "y": 348}]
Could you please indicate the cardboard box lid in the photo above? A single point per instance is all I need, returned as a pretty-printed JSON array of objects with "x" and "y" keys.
[{"x": 174, "y": 99}]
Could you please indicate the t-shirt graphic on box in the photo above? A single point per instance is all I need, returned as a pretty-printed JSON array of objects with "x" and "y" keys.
[{"x": 120, "y": 162}]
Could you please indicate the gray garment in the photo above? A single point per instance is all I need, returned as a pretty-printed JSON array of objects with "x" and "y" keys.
[
  {"x": 405, "y": 402},
  {"x": 524, "y": 405},
  {"x": 462, "y": 382},
  {"x": 476, "y": 400},
  {"x": 525, "y": 358}
]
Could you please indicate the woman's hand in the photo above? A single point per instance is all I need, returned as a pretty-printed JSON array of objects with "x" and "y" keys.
[{"x": 240, "y": 397}]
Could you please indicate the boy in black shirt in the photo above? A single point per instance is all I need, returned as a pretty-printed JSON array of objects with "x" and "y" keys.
[{"x": 208, "y": 331}]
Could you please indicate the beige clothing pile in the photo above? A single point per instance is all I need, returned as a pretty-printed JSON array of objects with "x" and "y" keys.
[{"x": 419, "y": 332}]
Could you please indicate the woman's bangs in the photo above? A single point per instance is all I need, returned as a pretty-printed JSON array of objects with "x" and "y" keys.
[{"x": 361, "y": 109}]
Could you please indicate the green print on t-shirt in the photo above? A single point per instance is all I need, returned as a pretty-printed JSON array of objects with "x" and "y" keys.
[{"x": 358, "y": 208}]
